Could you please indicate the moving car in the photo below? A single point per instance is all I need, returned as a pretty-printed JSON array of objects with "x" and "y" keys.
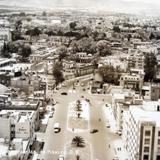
[
  {"x": 93, "y": 130},
  {"x": 64, "y": 93},
  {"x": 64, "y": 84},
  {"x": 82, "y": 84},
  {"x": 57, "y": 128}
]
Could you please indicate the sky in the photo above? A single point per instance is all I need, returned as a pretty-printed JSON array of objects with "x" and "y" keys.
[{"x": 132, "y": 6}]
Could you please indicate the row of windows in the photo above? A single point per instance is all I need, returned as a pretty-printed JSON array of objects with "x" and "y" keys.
[{"x": 148, "y": 133}]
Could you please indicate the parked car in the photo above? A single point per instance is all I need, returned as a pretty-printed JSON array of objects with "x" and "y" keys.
[
  {"x": 61, "y": 157},
  {"x": 119, "y": 133},
  {"x": 115, "y": 157},
  {"x": 108, "y": 125},
  {"x": 51, "y": 114},
  {"x": 64, "y": 93},
  {"x": 93, "y": 130}
]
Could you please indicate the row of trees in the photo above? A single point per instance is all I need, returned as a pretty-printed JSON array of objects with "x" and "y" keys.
[
  {"x": 110, "y": 74},
  {"x": 23, "y": 50},
  {"x": 150, "y": 67},
  {"x": 58, "y": 73},
  {"x": 90, "y": 46}
]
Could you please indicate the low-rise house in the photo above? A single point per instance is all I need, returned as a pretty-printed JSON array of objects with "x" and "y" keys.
[
  {"x": 151, "y": 92},
  {"x": 134, "y": 82},
  {"x": 96, "y": 87}
]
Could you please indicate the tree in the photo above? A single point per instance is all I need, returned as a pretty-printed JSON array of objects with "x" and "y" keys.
[
  {"x": 110, "y": 74},
  {"x": 57, "y": 73},
  {"x": 25, "y": 51},
  {"x": 103, "y": 49},
  {"x": 18, "y": 26},
  {"x": 16, "y": 33},
  {"x": 78, "y": 141},
  {"x": 62, "y": 52},
  {"x": 22, "y": 14},
  {"x": 34, "y": 32},
  {"x": 84, "y": 45},
  {"x": 150, "y": 67},
  {"x": 116, "y": 29},
  {"x": 44, "y": 14},
  {"x": 5, "y": 51},
  {"x": 77, "y": 157},
  {"x": 72, "y": 25},
  {"x": 152, "y": 36}
]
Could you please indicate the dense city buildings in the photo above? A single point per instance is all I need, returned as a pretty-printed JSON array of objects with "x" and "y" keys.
[{"x": 78, "y": 84}]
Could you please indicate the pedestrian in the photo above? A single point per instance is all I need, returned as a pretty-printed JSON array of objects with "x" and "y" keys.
[
  {"x": 73, "y": 129},
  {"x": 109, "y": 146}
]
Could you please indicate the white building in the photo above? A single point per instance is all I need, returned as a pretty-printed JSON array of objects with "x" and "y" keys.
[
  {"x": 5, "y": 34},
  {"x": 17, "y": 124},
  {"x": 133, "y": 81},
  {"x": 141, "y": 131}
]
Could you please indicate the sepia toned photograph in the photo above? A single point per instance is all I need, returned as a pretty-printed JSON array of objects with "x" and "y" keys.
[{"x": 79, "y": 80}]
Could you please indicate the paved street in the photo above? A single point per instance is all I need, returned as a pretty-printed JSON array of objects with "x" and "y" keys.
[{"x": 55, "y": 142}]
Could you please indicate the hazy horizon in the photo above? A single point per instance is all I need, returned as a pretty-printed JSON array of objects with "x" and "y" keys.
[{"x": 129, "y": 6}]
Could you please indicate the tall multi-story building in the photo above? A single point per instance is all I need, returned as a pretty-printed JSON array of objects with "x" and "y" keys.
[
  {"x": 141, "y": 131},
  {"x": 17, "y": 124}
]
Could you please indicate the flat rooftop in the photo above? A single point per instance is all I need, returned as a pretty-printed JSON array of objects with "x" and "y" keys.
[{"x": 146, "y": 112}]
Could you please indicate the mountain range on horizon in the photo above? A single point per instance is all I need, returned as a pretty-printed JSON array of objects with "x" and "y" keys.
[{"x": 126, "y": 6}]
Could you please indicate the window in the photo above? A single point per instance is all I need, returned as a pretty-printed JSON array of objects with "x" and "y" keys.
[
  {"x": 146, "y": 149},
  {"x": 159, "y": 133},
  {"x": 159, "y": 141},
  {"x": 147, "y": 133},
  {"x": 146, "y": 141},
  {"x": 158, "y": 157},
  {"x": 158, "y": 150},
  {"x": 145, "y": 157}
]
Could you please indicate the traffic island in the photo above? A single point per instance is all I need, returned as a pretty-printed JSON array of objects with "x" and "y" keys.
[
  {"x": 78, "y": 116},
  {"x": 78, "y": 149}
]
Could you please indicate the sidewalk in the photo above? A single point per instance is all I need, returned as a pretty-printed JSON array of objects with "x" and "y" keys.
[
  {"x": 120, "y": 151},
  {"x": 109, "y": 114},
  {"x": 118, "y": 146}
]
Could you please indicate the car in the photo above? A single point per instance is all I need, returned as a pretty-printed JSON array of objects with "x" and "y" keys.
[
  {"x": 51, "y": 114},
  {"x": 64, "y": 93},
  {"x": 115, "y": 157},
  {"x": 87, "y": 100},
  {"x": 61, "y": 157},
  {"x": 119, "y": 133},
  {"x": 108, "y": 125},
  {"x": 57, "y": 128},
  {"x": 93, "y": 130},
  {"x": 64, "y": 85},
  {"x": 82, "y": 84},
  {"x": 107, "y": 105}
]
